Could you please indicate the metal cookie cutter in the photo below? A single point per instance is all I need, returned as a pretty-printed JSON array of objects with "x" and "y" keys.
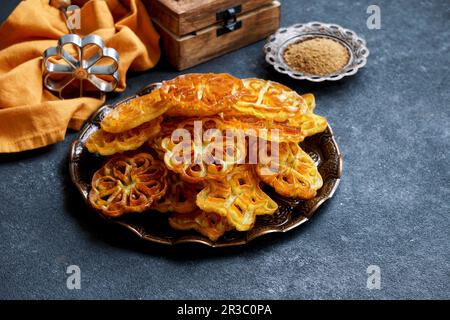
[{"x": 91, "y": 62}]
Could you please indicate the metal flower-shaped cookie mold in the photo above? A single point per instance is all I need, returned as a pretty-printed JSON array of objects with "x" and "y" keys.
[
  {"x": 81, "y": 62},
  {"x": 278, "y": 42}
]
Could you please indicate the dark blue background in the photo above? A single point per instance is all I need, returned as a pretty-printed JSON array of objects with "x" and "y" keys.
[{"x": 392, "y": 209}]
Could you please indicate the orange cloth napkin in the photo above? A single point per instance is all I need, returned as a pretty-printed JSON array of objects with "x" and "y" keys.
[{"x": 30, "y": 115}]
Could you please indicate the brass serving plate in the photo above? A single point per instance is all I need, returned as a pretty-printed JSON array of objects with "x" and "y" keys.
[{"x": 154, "y": 226}]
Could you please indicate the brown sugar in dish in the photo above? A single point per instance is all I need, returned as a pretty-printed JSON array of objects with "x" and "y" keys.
[{"x": 317, "y": 56}]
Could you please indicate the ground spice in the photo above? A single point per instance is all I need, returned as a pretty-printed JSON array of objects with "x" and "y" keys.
[{"x": 317, "y": 56}]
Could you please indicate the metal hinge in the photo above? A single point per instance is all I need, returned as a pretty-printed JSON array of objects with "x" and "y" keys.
[{"x": 230, "y": 23}]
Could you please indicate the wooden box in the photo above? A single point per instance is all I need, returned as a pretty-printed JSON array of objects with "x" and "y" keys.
[{"x": 194, "y": 31}]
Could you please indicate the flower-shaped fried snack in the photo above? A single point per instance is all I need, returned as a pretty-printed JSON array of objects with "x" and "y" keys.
[
  {"x": 107, "y": 143},
  {"x": 128, "y": 184},
  {"x": 310, "y": 102},
  {"x": 168, "y": 126},
  {"x": 83, "y": 60},
  {"x": 238, "y": 197},
  {"x": 200, "y": 94},
  {"x": 311, "y": 124},
  {"x": 279, "y": 107},
  {"x": 292, "y": 173},
  {"x": 198, "y": 157},
  {"x": 209, "y": 224},
  {"x": 180, "y": 196},
  {"x": 243, "y": 126},
  {"x": 155, "y": 144},
  {"x": 270, "y": 101},
  {"x": 265, "y": 129},
  {"x": 133, "y": 113}
]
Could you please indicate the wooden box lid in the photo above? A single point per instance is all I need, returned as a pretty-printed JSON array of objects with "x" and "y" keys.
[{"x": 182, "y": 17}]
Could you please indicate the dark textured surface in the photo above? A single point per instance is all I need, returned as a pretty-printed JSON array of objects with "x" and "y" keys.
[{"x": 392, "y": 208}]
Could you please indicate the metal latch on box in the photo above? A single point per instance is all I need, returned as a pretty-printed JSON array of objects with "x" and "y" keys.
[{"x": 230, "y": 23}]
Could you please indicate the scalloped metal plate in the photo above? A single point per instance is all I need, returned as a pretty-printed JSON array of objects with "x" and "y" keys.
[
  {"x": 154, "y": 226},
  {"x": 279, "y": 41}
]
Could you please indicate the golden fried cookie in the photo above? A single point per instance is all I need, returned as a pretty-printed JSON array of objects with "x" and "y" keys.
[
  {"x": 266, "y": 129},
  {"x": 107, "y": 143},
  {"x": 311, "y": 124},
  {"x": 310, "y": 102},
  {"x": 180, "y": 196},
  {"x": 133, "y": 113},
  {"x": 270, "y": 101},
  {"x": 291, "y": 172},
  {"x": 238, "y": 127},
  {"x": 237, "y": 197},
  {"x": 197, "y": 153},
  {"x": 200, "y": 94},
  {"x": 128, "y": 184},
  {"x": 208, "y": 224},
  {"x": 155, "y": 144}
]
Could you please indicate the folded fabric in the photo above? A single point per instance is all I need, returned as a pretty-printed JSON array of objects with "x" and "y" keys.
[{"x": 30, "y": 115}]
